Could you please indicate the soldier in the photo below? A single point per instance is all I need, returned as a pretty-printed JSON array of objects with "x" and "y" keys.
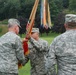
[
  {"x": 38, "y": 49},
  {"x": 11, "y": 50},
  {"x": 63, "y": 50}
]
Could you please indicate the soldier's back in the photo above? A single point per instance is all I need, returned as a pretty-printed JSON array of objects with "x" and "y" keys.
[{"x": 66, "y": 53}]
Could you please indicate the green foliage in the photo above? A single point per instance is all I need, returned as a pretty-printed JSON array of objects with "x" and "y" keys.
[
  {"x": 4, "y": 21},
  {"x": 23, "y": 8},
  {"x": 2, "y": 9},
  {"x": 2, "y": 2},
  {"x": 16, "y": 8},
  {"x": 65, "y": 3},
  {"x": 55, "y": 8},
  {"x": 67, "y": 11},
  {"x": 59, "y": 23},
  {"x": 25, "y": 70},
  {"x": 72, "y": 5},
  {"x": 0, "y": 30},
  {"x": 3, "y": 29},
  {"x": 9, "y": 8},
  {"x": 12, "y": 7},
  {"x": 26, "y": 7}
]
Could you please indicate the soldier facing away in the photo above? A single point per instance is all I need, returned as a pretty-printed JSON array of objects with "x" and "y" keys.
[
  {"x": 11, "y": 49},
  {"x": 63, "y": 50},
  {"x": 38, "y": 49}
]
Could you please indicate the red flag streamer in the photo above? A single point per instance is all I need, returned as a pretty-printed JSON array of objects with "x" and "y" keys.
[{"x": 29, "y": 28}]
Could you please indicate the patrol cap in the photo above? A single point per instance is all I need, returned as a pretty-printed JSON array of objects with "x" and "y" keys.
[
  {"x": 12, "y": 22},
  {"x": 70, "y": 18},
  {"x": 35, "y": 30}
]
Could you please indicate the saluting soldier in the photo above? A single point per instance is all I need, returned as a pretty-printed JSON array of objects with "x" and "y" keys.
[
  {"x": 63, "y": 50},
  {"x": 38, "y": 49},
  {"x": 11, "y": 49}
]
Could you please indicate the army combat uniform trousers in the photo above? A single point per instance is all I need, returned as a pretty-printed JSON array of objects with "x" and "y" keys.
[
  {"x": 2, "y": 73},
  {"x": 38, "y": 74}
]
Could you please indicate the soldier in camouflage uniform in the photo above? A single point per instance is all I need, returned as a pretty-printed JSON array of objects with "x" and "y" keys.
[
  {"x": 63, "y": 50},
  {"x": 38, "y": 49},
  {"x": 11, "y": 50}
]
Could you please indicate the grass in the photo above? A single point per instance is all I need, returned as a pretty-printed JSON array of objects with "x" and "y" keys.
[
  {"x": 3, "y": 29},
  {"x": 4, "y": 22},
  {"x": 26, "y": 69}
]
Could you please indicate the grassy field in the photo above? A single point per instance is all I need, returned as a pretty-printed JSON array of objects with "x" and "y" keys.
[
  {"x": 3, "y": 29},
  {"x": 26, "y": 69}
]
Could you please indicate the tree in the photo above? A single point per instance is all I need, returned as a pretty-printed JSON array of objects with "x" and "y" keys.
[
  {"x": 26, "y": 8},
  {"x": 55, "y": 8},
  {"x": 72, "y": 5},
  {"x": 65, "y": 3},
  {"x": 12, "y": 7},
  {"x": 59, "y": 23},
  {"x": 2, "y": 14},
  {"x": 23, "y": 23},
  {"x": 9, "y": 8}
]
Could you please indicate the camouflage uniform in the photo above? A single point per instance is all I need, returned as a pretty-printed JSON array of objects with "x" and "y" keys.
[
  {"x": 11, "y": 51},
  {"x": 63, "y": 53},
  {"x": 38, "y": 50},
  {"x": 2, "y": 73}
]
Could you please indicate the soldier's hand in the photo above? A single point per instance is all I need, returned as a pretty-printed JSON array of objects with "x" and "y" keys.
[
  {"x": 28, "y": 36},
  {"x": 25, "y": 40}
]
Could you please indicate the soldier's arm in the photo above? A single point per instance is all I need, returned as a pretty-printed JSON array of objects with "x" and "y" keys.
[
  {"x": 20, "y": 52},
  {"x": 26, "y": 58},
  {"x": 51, "y": 60},
  {"x": 39, "y": 46}
]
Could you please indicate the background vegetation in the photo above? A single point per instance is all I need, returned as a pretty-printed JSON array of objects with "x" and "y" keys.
[{"x": 21, "y": 10}]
